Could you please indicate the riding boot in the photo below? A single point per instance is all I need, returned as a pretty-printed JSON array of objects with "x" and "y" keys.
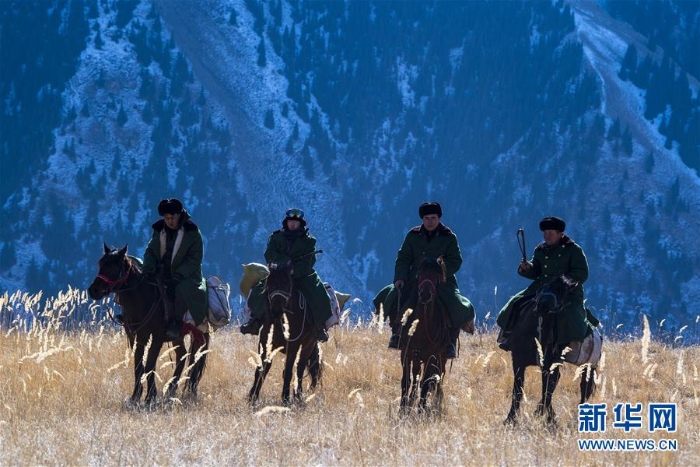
[
  {"x": 321, "y": 335},
  {"x": 254, "y": 323},
  {"x": 395, "y": 338},
  {"x": 451, "y": 350}
]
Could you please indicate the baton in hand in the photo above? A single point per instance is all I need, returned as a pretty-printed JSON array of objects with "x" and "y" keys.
[{"x": 521, "y": 243}]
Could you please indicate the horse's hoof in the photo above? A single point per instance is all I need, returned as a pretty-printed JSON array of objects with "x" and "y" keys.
[
  {"x": 552, "y": 424},
  {"x": 510, "y": 421},
  {"x": 130, "y": 404}
]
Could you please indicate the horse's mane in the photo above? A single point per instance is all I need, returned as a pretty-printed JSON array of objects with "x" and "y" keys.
[{"x": 134, "y": 261}]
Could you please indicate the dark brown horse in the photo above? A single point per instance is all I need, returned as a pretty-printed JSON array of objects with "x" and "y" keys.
[
  {"x": 286, "y": 327},
  {"x": 424, "y": 338},
  {"x": 533, "y": 343},
  {"x": 144, "y": 320}
]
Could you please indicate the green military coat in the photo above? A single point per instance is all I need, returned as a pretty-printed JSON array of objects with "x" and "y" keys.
[
  {"x": 185, "y": 267},
  {"x": 299, "y": 250},
  {"x": 416, "y": 246},
  {"x": 566, "y": 258}
]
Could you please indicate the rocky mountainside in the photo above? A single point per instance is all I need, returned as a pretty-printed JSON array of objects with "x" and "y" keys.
[{"x": 357, "y": 112}]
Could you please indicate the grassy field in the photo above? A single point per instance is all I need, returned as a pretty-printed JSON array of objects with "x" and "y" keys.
[{"x": 63, "y": 403}]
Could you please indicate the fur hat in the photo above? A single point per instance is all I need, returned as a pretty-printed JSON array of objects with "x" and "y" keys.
[
  {"x": 552, "y": 223},
  {"x": 432, "y": 207},
  {"x": 294, "y": 214},
  {"x": 170, "y": 206}
]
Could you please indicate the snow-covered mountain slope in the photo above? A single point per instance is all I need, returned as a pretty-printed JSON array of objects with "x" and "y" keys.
[{"x": 357, "y": 112}]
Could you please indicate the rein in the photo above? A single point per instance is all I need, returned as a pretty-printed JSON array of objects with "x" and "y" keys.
[
  {"x": 287, "y": 296},
  {"x": 302, "y": 307},
  {"x": 116, "y": 289}
]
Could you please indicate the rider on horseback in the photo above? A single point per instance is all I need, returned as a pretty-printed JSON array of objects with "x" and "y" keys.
[
  {"x": 557, "y": 255},
  {"x": 435, "y": 239},
  {"x": 173, "y": 259},
  {"x": 293, "y": 243}
]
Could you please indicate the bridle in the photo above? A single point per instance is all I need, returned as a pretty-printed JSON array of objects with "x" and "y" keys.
[
  {"x": 285, "y": 294},
  {"x": 433, "y": 289},
  {"x": 113, "y": 284}
]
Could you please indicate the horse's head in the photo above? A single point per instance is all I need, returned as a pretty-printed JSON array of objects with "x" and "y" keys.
[
  {"x": 279, "y": 284},
  {"x": 550, "y": 297},
  {"x": 113, "y": 271},
  {"x": 431, "y": 272}
]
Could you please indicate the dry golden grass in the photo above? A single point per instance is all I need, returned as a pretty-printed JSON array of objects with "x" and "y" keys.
[{"x": 63, "y": 399}]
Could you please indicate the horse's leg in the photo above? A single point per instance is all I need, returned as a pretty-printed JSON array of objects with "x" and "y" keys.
[
  {"x": 427, "y": 384},
  {"x": 198, "y": 358},
  {"x": 517, "y": 394},
  {"x": 405, "y": 383},
  {"x": 439, "y": 375},
  {"x": 261, "y": 371},
  {"x": 438, "y": 395},
  {"x": 315, "y": 368},
  {"x": 150, "y": 370},
  {"x": 587, "y": 384},
  {"x": 260, "y": 374},
  {"x": 550, "y": 378},
  {"x": 138, "y": 372},
  {"x": 287, "y": 374},
  {"x": 301, "y": 367},
  {"x": 180, "y": 353},
  {"x": 415, "y": 381}
]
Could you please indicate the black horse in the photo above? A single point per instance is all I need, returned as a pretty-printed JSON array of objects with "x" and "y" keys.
[
  {"x": 287, "y": 328},
  {"x": 144, "y": 320},
  {"x": 424, "y": 339},
  {"x": 532, "y": 343}
]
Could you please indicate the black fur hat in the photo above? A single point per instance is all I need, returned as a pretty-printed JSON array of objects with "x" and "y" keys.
[
  {"x": 170, "y": 206},
  {"x": 432, "y": 207},
  {"x": 552, "y": 223}
]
